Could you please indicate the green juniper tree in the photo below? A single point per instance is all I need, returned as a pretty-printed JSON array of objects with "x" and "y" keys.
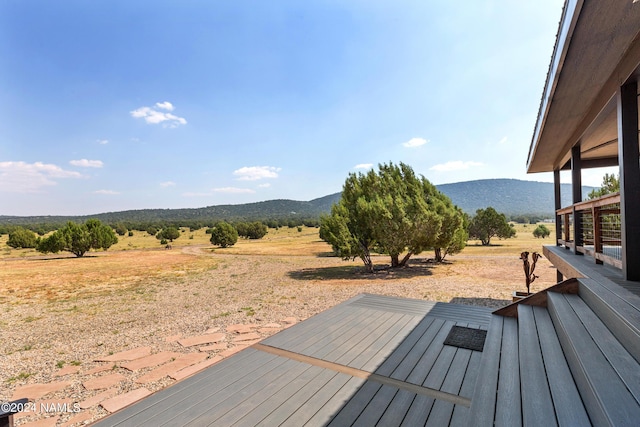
[
  {"x": 21, "y": 238},
  {"x": 224, "y": 235},
  {"x": 79, "y": 238},
  {"x": 488, "y": 223},
  {"x": 392, "y": 211}
]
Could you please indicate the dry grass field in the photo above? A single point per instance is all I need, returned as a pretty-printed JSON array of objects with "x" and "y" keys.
[{"x": 58, "y": 309}]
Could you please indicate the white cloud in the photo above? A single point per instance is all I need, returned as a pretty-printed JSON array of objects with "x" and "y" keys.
[
  {"x": 254, "y": 173},
  {"x": 265, "y": 185},
  {"x": 102, "y": 141},
  {"x": 415, "y": 142},
  {"x": 167, "y": 184},
  {"x": 503, "y": 140},
  {"x": 106, "y": 192},
  {"x": 166, "y": 105},
  {"x": 84, "y": 163},
  {"x": 19, "y": 177},
  {"x": 152, "y": 115},
  {"x": 233, "y": 190},
  {"x": 454, "y": 166},
  {"x": 363, "y": 166}
]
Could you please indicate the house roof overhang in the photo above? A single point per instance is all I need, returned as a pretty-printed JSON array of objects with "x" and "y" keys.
[{"x": 597, "y": 50}]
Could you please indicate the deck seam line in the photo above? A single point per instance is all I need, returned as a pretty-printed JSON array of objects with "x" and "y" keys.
[{"x": 359, "y": 373}]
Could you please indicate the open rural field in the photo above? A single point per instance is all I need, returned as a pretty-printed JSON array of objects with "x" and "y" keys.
[{"x": 59, "y": 311}]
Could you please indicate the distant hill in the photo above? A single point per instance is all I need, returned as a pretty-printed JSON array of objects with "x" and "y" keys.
[{"x": 510, "y": 196}]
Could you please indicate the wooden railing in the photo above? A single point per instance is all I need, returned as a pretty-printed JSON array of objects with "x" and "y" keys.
[{"x": 598, "y": 227}]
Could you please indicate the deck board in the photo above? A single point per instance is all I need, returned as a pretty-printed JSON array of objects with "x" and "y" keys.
[
  {"x": 585, "y": 266},
  {"x": 422, "y": 368},
  {"x": 537, "y": 403},
  {"x": 256, "y": 413},
  {"x": 418, "y": 412},
  {"x": 509, "y": 405},
  {"x": 397, "y": 408},
  {"x": 455, "y": 312},
  {"x": 443, "y": 411},
  {"x": 302, "y": 396},
  {"x": 460, "y": 412},
  {"x": 315, "y": 372},
  {"x": 319, "y": 409},
  {"x": 483, "y": 405},
  {"x": 400, "y": 363},
  {"x": 568, "y": 405}
]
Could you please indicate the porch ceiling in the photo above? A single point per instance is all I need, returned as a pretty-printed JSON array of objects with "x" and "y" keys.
[{"x": 597, "y": 52}]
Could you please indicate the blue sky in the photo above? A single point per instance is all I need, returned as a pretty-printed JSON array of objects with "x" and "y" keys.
[{"x": 115, "y": 105}]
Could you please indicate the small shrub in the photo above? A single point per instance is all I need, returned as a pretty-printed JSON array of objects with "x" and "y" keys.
[
  {"x": 541, "y": 232},
  {"x": 163, "y": 242},
  {"x": 224, "y": 235},
  {"x": 299, "y": 229},
  {"x": 121, "y": 230},
  {"x": 22, "y": 238},
  {"x": 130, "y": 233}
]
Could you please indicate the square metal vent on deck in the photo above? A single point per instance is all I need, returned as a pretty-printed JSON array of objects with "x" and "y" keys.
[{"x": 470, "y": 338}]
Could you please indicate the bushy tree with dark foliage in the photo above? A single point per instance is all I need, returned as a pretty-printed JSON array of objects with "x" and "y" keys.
[
  {"x": 79, "y": 238},
  {"x": 391, "y": 211},
  {"x": 21, "y": 238},
  {"x": 224, "y": 235},
  {"x": 488, "y": 223}
]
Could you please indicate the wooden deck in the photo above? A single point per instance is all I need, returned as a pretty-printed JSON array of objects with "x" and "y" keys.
[
  {"x": 372, "y": 360},
  {"x": 572, "y": 265},
  {"x": 568, "y": 357}
]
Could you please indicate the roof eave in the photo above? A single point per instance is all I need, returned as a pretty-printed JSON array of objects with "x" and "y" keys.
[{"x": 570, "y": 14}]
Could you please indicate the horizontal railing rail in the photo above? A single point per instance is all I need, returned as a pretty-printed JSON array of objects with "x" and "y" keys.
[{"x": 598, "y": 229}]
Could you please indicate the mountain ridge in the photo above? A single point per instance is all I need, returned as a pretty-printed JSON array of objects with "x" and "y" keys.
[{"x": 509, "y": 196}]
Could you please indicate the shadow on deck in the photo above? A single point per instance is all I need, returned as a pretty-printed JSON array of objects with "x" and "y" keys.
[{"x": 370, "y": 360}]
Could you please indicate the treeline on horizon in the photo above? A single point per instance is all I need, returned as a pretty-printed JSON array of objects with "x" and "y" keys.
[{"x": 44, "y": 227}]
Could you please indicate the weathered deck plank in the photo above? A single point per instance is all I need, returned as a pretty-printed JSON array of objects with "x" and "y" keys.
[
  {"x": 321, "y": 408},
  {"x": 622, "y": 362},
  {"x": 261, "y": 387},
  {"x": 255, "y": 394},
  {"x": 418, "y": 412},
  {"x": 377, "y": 351},
  {"x": 397, "y": 408},
  {"x": 460, "y": 412},
  {"x": 447, "y": 311},
  {"x": 400, "y": 363},
  {"x": 256, "y": 413},
  {"x": 376, "y": 408},
  {"x": 442, "y": 411},
  {"x": 301, "y": 335},
  {"x": 207, "y": 406},
  {"x": 566, "y": 399},
  {"x": 421, "y": 373},
  {"x": 224, "y": 373},
  {"x": 425, "y": 350},
  {"x": 302, "y": 396},
  {"x": 483, "y": 403},
  {"x": 605, "y": 395},
  {"x": 509, "y": 405},
  {"x": 537, "y": 403}
]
